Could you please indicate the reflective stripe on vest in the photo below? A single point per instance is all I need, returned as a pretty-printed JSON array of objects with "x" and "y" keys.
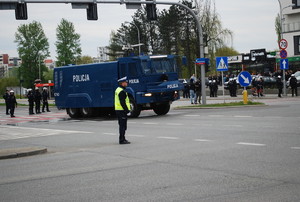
[{"x": 118, "y": 105}]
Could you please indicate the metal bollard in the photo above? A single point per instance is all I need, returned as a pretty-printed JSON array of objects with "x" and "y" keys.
[{"x": 245, "y": 96}]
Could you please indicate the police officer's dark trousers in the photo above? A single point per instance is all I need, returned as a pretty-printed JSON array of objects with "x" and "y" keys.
[
  {"x": 31, "y": 105},
  {"x": 122, "y": 120}
]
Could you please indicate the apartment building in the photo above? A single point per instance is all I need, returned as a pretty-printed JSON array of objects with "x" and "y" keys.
[{"x": 291, "y": 29}]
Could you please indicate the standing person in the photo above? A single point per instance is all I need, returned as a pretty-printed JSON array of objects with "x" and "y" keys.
[
  {"x": 198, "y": 91},
  {"x": 210, "y": 88},
  {"x": 45, "y": 97},
  {"x": 192, "y": 91},
  {"x": 293, "y": 84},
  {"x": 186, "y": 90},
  {"x": 122, "y": 108},
  {"x": 12, "y": 102},
  {"x": 215, "y": 88},
  {"x": 234, "y": 89},
  {"x": 279, "y": 85},
  {"x": 37, "y": 100},
  {"x": 260, "y": 87},
  {"x": 5, "y": 97},
  {"x": 30, "y": 97},
  {"x": 230, "y": 87}
]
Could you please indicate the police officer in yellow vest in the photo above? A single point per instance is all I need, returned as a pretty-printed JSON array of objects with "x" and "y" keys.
[{"x": 122, "y": 108}]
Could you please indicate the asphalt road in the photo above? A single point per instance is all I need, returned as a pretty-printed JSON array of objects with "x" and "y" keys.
[{"x": 230, "y": 154}]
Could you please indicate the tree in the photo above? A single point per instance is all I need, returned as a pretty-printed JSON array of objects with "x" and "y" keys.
[
  {"x": 48, "y": 75},
  {"x": 278, "y": 27},
  {"x": 68, "y": 44},
  {"x": 33, "y": 49},
  {"x": 85, "y": 60}
]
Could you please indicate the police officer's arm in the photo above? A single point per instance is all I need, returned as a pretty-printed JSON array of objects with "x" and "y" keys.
[{"x": 122, "y": 97}]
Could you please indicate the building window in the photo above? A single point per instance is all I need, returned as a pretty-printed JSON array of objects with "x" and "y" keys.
[
  {"x": 297, "y": 4},
  {"x": 297, "y": 45}
]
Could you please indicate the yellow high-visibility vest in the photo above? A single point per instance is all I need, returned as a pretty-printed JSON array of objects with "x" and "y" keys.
[{"x": 118, "y": 105}]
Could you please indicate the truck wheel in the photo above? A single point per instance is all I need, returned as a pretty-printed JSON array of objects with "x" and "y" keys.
[
  {"x": 86, "y": 112},
  {"x": 73, "y": 112},
  {"x": 161, "y": 109},
  {"x": 135, "y": 108}
]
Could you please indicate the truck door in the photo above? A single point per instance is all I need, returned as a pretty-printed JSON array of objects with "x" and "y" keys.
[{"x": 122, "y": 70}]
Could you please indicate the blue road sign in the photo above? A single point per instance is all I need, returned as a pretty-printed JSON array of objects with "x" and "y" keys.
[
  {"x": 244, "y": 78},
  {"x": 222, "y": 63},
  {"x": 284, "y": 64},
  {"x": 200, "y": 61}
]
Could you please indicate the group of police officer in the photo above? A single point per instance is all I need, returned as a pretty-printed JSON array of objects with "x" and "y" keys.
[{"x": 35, "y": 98}]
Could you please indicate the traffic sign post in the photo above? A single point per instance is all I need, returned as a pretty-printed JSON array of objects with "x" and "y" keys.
[
  {"x": 245, "y": 80},
  {"x": 222, "y": 65},
  {"x": 283, "y": 44},
  {"x": 283, "y": 54},
  {"x": 284, "y": 64}
]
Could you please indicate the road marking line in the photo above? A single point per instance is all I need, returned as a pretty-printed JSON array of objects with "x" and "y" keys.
[
  {"x": 136, "y": 135},
  {"x": 238, "y": 116},
  {"x": 174, "y": 124},
  {"x": 202, "y": 140},
  {"x": 216, "y": 115},
  {"x": 295, "y": 147},
  {"x": 109, "y": 133},
  {"x": 192, "y": 115},
  {"x": 250, "y": 144},
  {"x": 169, "y": 138},
  {"x": 233, "y": 125},
  {"x": 45, "y": 129},
  {"x": 150, "y": 123}
]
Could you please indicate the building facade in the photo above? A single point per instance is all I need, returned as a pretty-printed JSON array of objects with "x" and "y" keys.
[{"x": 291, "y": 30}]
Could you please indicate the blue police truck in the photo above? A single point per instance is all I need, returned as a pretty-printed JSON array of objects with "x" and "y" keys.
[{"x": 88, "y": 90}]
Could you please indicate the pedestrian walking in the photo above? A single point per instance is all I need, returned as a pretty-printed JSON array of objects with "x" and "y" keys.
[
  {"x": 279, "y": 85},
  {"x": 122, "y": 108},
  {"x": 30, "y": 97},
  {"x": 45, "y": 97},
  {"x": 37, "y": 100},
  {"x": 192, "y": 91},
  {"x": 5, "y": 97},
  {"x": 12, "y": 102},
  {"x": 293, "y": 84}
]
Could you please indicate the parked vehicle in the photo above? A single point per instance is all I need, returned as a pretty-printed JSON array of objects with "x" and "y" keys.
[{"x": 87, "y": 90}]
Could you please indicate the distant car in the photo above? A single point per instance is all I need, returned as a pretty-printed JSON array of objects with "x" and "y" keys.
[{"x": 297, "y": 75}]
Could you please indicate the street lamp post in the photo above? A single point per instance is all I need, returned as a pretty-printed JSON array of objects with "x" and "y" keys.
[
  {"x": 138, "y": 35},
  {"x": 281, "y": 36}
]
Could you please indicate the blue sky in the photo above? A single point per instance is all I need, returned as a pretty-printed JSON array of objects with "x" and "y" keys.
[{"x": 252, "y": 23}]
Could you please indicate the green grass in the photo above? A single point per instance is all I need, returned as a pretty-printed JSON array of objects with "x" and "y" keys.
[{"x": 230, "y": 104}]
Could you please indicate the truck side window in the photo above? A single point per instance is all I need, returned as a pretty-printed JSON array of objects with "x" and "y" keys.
[
  {"x": 132, "y": 71},
  {"x": 122, "y": 70},
  {"x": 146, "y": 65}
]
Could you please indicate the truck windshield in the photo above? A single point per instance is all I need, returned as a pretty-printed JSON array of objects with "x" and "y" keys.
[{"x": 158, "y": 65}]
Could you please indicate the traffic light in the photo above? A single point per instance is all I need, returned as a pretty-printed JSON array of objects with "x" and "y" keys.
[
  {"x": 91, "y": 11},
  {"x": 151, "y": 11},
  {"x": 21, "y": 11}
]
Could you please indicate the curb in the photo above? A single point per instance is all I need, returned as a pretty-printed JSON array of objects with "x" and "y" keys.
[{"x": 21, "y": 152}]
